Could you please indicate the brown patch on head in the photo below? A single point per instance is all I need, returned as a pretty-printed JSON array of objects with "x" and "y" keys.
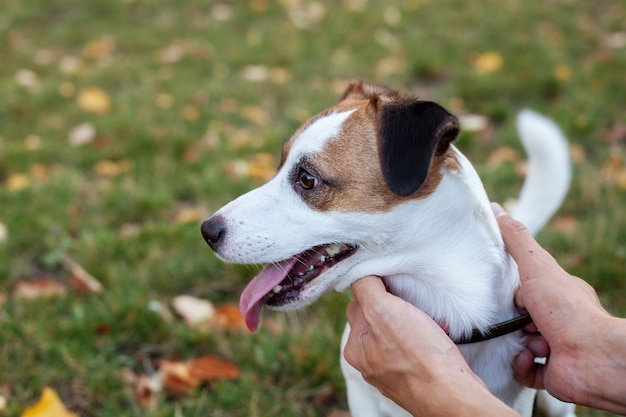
[{"x": 390, "y": 150}]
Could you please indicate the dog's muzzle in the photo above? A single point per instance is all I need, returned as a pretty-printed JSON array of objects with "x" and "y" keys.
[{"x": 213, "y": 231}]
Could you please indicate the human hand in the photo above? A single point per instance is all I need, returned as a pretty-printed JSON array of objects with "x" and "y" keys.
[
  {"x": 578, "y": 336},
  {"x": 409, "y": 358}
]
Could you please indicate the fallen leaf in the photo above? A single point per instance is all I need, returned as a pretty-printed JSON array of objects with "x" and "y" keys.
[
  {"x": 279, "y": 75},
  {"x": 615, "y": 40},
  {"x": 164, "y": 101},
  {"x": 487, "y": 62},
  {"x": 17, "y": 182},
  {"x": 262, "y": 166},
  {"x": 28, "y": 79},
  {"x": 142, "y": 388},
  {"x": 502, "y": 155},
  {"x": 180, "y": 377},
  {"x": 82, "y": 280},
  {"x": 67, "y": 89},
  {"x": 49, "y": 405},
  {"x": 222, "y": 12},
  {"x": 107, "y": 168},
  {"x": 71, "y": 65},
  {"x": 39, "y": 172},
  {"x": 566, "y": 224},
  {"x": 473, "y": 122},
  {"x": 255, "y": 73},
  {"x": 578, "y": 153},
  {"x": 188, "y": 214},
  {"x": 211, "y": 368},
  {"x": 32, "y": 142},
  {"x": 259, "y": 6},
  {"x": 100, "y": 48},
  {"x": 94, "y": 100},
  {"x": 228, "y": 317},
  {"x": 194, "y": 311},
  {"x": 562, "y": 72},
  {"x": 176, "y": 377},
  {"x": 305, "y": 15},
  {"x": 255, "y": 114},
  {"x": 40, "y": 288},
  {"x": 172, "y": 53},
  {"x": 82, "y": 134}
]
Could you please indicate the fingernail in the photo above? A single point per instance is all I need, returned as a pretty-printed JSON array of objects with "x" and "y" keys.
[{"x": 497, "y": 209}]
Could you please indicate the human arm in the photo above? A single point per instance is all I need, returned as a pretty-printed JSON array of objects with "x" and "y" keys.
[
  {"x": 585, "y": 346},
  {"x": 409, "y": 358}
]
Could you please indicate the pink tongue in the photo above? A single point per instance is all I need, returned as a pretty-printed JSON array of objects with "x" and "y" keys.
[{"x": 252, "y": 298}]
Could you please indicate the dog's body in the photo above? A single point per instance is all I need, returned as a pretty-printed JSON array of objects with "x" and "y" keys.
[{"x": 374, "y": 186}]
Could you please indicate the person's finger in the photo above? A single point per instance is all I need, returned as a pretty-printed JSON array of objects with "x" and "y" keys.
[
  {"x": 517, "y": 238},
  {"x": 368, "y": 288},
  {"x": 351, "y": 311},
  {"x": 538, "y": 345},
  {"x": 527, "y": 371}
]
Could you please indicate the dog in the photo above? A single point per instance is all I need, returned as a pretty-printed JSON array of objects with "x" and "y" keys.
[{"x": 375, "y": 186}]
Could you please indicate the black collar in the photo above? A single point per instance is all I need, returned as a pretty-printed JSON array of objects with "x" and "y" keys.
[{"x": 498, "y": 329}]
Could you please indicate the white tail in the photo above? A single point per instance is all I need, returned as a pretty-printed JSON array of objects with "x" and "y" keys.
[{"x": 549, "y": 170}]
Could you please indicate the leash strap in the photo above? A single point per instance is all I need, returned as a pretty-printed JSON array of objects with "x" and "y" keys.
[{"x": 497, "y": 330}]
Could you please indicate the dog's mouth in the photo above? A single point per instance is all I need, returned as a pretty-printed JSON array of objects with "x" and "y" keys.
[{"x": 282, "y": 282}]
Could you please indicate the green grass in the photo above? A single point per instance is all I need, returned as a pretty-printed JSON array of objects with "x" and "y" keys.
[{"x": 183, "y": 104}]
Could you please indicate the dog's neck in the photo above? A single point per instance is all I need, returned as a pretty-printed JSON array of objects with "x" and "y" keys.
[{"x": 460, "y": 273}]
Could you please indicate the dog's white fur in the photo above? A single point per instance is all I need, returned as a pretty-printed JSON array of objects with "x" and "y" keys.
[{"x": 441, "y": 251}]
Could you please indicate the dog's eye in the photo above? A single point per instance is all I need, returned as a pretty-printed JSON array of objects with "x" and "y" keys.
[{"x": 306, "y": 180}]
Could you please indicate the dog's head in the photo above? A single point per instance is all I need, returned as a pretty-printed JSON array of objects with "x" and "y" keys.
[{"x": 337, "y": 208}]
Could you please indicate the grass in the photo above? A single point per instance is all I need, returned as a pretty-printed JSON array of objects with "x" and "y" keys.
[{"x": 195, "y": 85}]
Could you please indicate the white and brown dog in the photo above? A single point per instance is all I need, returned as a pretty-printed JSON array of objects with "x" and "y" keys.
[{"x": 373, "y": 185}]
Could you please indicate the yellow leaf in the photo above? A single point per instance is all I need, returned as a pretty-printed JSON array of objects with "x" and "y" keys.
[
  {"x": 17, "y": 182},
  {"x": 164, "y": 101},
  {"x": 255, "y": 114},
  {"x": 488, "y": 62},
  {"x": 94, "y": 100},
  {"x": 100, "y": 48},
  {"x": 259, "y": 6},
  {"x": 262, "y": 166},
  {"x": 190, "y": 113},
  {"x": 111, "y": 169},
  {"x": 562, "y": 72},
  {"x": 49, "y": 405},
  {"x": 186, "y": 214}
]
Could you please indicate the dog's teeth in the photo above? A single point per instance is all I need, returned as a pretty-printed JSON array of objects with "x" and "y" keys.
[
  {"x": 322, "y": 259},
  {"x": 333, "y": 249},
  {"x": 277, "y": 289},
  {"x": 311, "y": 267}
]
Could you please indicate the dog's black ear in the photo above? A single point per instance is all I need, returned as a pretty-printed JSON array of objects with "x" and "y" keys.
[
  {"x": 410, "y": 135},
  {"x": 360, "y": 90}
]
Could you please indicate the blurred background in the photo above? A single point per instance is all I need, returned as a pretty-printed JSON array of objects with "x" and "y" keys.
[{"x": 125, "y": 123}]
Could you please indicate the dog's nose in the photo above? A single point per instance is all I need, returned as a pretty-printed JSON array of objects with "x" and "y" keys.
[{"x": 213, "y": 231}]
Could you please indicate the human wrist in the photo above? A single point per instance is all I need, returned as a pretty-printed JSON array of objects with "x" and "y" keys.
[
  {"x": 458, "y": 394},
  {"x": 603, "y": 385}
]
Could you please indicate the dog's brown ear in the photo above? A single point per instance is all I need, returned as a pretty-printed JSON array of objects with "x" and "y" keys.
[
  {"x": 360, "y": 90},
  {"x": 410, "y": 135}
]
